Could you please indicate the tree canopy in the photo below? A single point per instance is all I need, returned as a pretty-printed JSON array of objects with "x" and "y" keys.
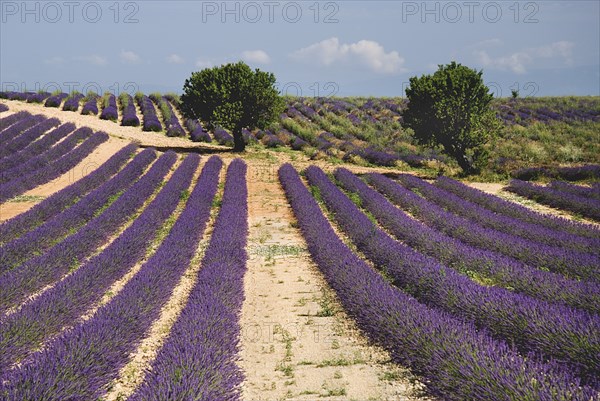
[
  {"x": 234, "y": 97},
  {"x": 452, "y": 108}
]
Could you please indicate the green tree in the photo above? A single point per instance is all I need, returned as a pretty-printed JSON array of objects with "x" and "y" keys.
[
  {"x": 234, "y": 97},
  {"x": 452, "y": 108}
]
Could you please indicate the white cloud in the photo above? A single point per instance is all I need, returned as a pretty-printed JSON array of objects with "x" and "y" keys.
[
  {"x": 256, "y": 56},
  {"x": 129, "y": 57},
  {"x": 204, "y": 63},
  {"x": 175, "y": 59},
  {"x": 56, "y": 60},
  {"x": 366, "y": 52},
  {"x": 519, "y": 61},
  {"x": 93, "y": 59},
  {"x": 562, "y": 49},
  {"x": 515, "y": 62}
]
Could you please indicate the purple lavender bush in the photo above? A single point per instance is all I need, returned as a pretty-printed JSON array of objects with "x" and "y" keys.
[
  {"x": 450, "y": 353},
  {"x": 72, "y": 102},
  {"x": 130, "y": 118},
  {"x": 55, "y": 100},
  {"x": 59, "y": 201},
  {"x": 90, "y": 105},
  {"x": 198, "y": 360},
  {"x": 109, "y": 108},
  {"x": 558, "y": 199},
  {"x": 495, "y": 309},
  {"x": 150, "y": 119}
]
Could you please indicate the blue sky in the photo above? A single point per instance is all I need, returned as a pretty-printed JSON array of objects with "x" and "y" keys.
[{"x": 347, "y": 48}]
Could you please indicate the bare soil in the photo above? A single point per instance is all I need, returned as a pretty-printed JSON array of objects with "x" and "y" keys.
[{"x": 297, "y": 343}]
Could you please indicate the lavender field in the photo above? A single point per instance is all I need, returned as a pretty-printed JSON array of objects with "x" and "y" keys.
[
  {"x": 540, "y": 134},
  {"x": 141, "y": 278}
]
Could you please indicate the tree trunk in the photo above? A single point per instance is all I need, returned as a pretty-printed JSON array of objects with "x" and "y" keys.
[
  {"x": 465, "y": 164},
  {"x": 238, "y": 141}
]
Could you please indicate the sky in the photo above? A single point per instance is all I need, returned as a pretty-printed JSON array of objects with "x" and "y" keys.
[{"x": 314, "y": 48}]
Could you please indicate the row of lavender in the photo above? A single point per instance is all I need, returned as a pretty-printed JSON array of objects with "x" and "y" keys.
[
  {"x": 555, "y": 331},
  {"x": 110, "y": 109},
  {"x": 198, "y": 360},
  {"x": 80, "y": 362},
  {"x": 528, "y": 111},
  {"x": 359, "y": 117},
  {"x": 40, "y": 320},
  {"x": 513, "y": 111},
  {"x": 578, "y": 173},
  {"x": 32, "y": 272},
  {"x": 34, "y": 161},
  {"x": 198, "y": 133},
  {"x": 458, "y": 358},
  {"x": 96, "y": 342},
  {"x": 15, "y": 252},
  {"x": 560, "y": 196},
  {"x": 563, "y": 260},
  {"x": 378, "y": 111}
]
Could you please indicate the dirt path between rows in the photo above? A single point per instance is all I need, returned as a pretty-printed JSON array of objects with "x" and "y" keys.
[{"x": 296, "y": 341}]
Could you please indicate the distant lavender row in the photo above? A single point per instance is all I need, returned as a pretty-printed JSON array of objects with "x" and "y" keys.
[
  {"x": 288, "y": 137},
  {"x": 81, "y": 362},
  {"x": 70, "y": 220},
  {"x": 39, "y": 97},
  {"x": 580, "y": 190},
  {"x": 130, "y": 118},
  {"x": 557, "y": 332},
  {"x": 222, "y": 137},
  {"x": 55, "y": 100},
  {"x": 44, "y": 159},
  {"x": 590, "y": 171},
  {"x": 30, "y": 97},
  {"x": 109, "y": 108},
  {"x": 72, "y": 297},
  {"x": 458, "y": 361},
  {"x": 489, "y": 267},
  {"x": 38, "y": 147},
  {"x": 59, "y": 201},
  {"x": 271, "y": 140},
  {"x": 197, "y": 132},
  {"x": 7, "y": 121},
  {"x": 19, "y": 127},
  {"x": 513, "y": 209},
  {"x": 507, "y": 224},
  {"x": 517, "y": 111},
  {"x": 170, "y": 120},
  {"x": 70, "y": 253},
  {"x": 54, "y": 170},
  {"x": 3, "y": 107},
  {"x": 386, "y": 158},
  {"x": 27, "y": 137},
  {"x": 151, "y": 121},
  {"x": 570, "y": 263},
  {"x": 13, "y": 95},
  {"x": 198, "y": 358},
  {"x": 558, "y": 199},
  {"x": 91, "y": 105},
  {"x": 72, "y": 102}
]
